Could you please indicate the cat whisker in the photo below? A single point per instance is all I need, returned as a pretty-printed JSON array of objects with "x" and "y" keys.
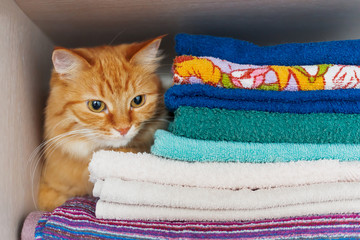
[
  {"x": 45, "y": 143},
  {"x": 39, "y": 149},
  {"x": 55, "y": 126},
  {"x": 83, "y": 134},
  {"x": 67, "y": 138},
  {"x": 57, "y": 142},
  {"x": 160, "y": 119},
  {"x": 55, "y": 145},
  {"x": 116, "y": 36},
  {"x": 156, "y": 121},
  {"x": 140, "y": 145},
  {"x": 39, "y": 152},
  {"x": 53, "y": 140},
  {"x": 149, "y": 123}
]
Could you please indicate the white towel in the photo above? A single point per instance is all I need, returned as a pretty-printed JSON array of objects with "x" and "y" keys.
[
  {"x": 149, "y": 168},
  {"x": 150, "y": 194},
  {"x": 109, "y": 210}
]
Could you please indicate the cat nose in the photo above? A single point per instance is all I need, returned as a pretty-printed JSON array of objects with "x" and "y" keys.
[{"x": 122, "y": 131}]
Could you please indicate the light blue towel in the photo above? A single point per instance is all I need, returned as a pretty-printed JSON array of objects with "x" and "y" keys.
[{"x": 175, "y": 147}]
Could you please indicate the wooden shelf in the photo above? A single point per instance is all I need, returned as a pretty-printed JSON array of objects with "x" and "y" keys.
[{"x": 89, "y": 22}]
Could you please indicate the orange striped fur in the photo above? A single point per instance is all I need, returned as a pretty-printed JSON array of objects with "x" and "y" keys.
[{"x": 114, "y": 75}]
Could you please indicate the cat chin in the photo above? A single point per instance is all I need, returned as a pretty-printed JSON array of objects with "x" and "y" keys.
[
  {"x": 115, "y": 143},
  {"x": 116, "y": 140},
  {"x": 81, "y": 149}
]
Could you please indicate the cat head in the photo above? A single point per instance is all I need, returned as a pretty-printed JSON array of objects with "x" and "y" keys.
[{"x": 104, "y": 97}]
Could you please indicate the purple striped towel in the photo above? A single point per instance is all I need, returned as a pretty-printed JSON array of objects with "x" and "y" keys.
[{"x": 76, "y": 220}]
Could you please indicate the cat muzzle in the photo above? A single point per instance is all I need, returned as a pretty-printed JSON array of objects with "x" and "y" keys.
[{"x": 123, "y": 131}]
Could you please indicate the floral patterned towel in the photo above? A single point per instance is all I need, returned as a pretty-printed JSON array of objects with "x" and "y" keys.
[{"x": 221, "y": 73}]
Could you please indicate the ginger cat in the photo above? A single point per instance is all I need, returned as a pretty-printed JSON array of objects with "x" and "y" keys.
[{"x": 105, "y": 97}]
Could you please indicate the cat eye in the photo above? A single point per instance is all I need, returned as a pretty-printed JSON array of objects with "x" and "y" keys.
[
  {"x": 96, "y": 105},
  {"x": 138, "y": 101}
]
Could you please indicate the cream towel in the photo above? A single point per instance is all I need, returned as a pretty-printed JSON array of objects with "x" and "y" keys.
[
  {"x": 134, "y": 212},
  {"x": 150, "y": 194},
  {"x": 149, "y": 168}
]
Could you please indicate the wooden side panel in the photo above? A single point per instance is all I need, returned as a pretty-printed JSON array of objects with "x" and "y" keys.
[{"x": 24, "y": 71}]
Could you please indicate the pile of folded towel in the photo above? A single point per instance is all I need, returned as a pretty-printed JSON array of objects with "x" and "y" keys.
[
  {"x": 258, "y": 133},
  {"x": 264, "y": 142}
]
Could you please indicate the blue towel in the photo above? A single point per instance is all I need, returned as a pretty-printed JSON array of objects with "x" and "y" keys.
[
  {"x": 321, "y": 101},
  {"x": 171, "y": 146},
  {"x": 238, "y": 51}
]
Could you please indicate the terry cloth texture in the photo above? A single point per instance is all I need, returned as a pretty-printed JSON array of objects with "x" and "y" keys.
[
  {"x": 152, "y": 194},
  {"x": 222, "y": 73},
  {"x": 30, "y": 223},
  {"x": 265, "y": 127},
  {"x": 144, "y": 167},
  {"x": 135, "y": 212},
  {"x": 290, "y": 54},
  {"x": 76, "y": 220},
  {"x": 171, "y": 146},
  {"x": 321, "y": 101}
]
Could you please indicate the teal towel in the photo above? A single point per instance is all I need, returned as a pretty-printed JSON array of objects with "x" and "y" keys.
[
  {"x": 265, "y": 127},
  {"x": 175, "y": 147}
]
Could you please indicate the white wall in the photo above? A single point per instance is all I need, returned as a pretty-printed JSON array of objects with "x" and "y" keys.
[{"x": 24, "y": 71}]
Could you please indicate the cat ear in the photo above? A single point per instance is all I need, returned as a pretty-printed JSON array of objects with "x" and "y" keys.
[
  {"x": 66, "y": 61},
  {"x": 146, "y": 53}
]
